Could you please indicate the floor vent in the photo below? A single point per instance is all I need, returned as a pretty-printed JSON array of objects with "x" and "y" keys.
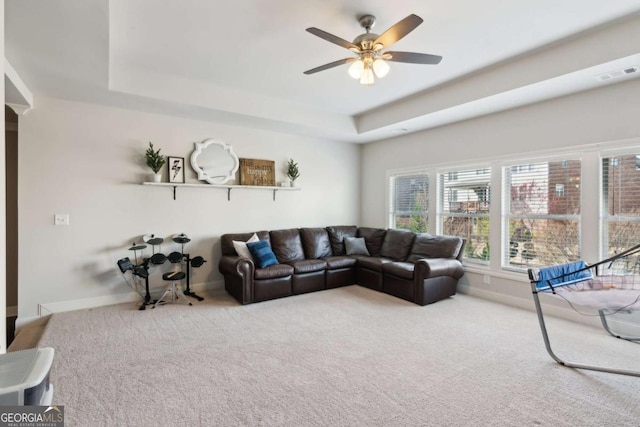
[{"x": 616, "y": 74}]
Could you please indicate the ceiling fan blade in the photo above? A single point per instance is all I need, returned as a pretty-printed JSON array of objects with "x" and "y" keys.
[
  {"x": 330, "y": 65},
  {"x": 413, "y": 58},
  {"x": 399, "y": 30},
  {"x": 333, "y": 39}
]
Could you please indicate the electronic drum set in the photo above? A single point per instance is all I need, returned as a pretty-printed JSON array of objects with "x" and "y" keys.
[{"x": 140, "y": 270}]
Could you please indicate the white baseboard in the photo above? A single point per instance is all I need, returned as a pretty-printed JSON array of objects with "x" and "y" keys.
[
  {"x": 548, "y": 309},
  {"x": 84, "y": 303},
  {"x": 556, "y": 311},
  {"x": 496, "y": 297}
]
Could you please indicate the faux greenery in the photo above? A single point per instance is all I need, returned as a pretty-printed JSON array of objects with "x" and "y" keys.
[
  {"x": 292, "y": 170},
  {"x": 154, "y": 159}
]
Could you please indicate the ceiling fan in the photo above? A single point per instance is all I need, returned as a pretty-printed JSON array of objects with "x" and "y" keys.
[{"x": 368, "y": 47}]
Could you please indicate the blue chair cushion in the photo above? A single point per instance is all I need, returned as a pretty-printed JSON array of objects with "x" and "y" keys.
[
  {"x": 563, "y": 275},
  {"x": 262, "y": 254}
]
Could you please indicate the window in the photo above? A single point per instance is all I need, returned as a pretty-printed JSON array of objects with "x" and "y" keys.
[
  {"x": 464, "y": 209},
  {"x": 620, "y": 203},
  {"x": 542, "y": 213},
  {"x": 409, "y": 202}
]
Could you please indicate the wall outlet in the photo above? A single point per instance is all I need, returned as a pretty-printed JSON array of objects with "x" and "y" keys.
[
  {"x": 486, "y": 279},
  {"x": 61, "y": 219}
]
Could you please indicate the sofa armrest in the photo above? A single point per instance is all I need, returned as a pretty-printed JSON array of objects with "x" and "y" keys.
[
  {"x": 426, "y": 268},
  {"x": 238, "y": 277},
  {"x": 236, "y": 265}
]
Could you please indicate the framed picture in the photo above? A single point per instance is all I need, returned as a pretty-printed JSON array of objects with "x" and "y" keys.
[
  {"x": 257, "y": 172},
  {"x": 176, "y": 169}
]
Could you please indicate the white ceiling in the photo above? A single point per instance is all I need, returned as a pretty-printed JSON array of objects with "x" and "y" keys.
[{"x": 242, "y": 62}]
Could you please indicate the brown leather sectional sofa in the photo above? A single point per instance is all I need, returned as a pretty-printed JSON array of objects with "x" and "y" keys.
[{"x": 421, "y": 268}]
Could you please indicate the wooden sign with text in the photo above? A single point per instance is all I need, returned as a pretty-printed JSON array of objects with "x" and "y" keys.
[{"x": 257, "y": 172}]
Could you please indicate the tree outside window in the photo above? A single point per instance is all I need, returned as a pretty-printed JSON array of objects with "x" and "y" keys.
[
  {"x": 543, "y": 219},
  {"x": 409, "y": 202},
  {"x": 464, "y": 210}
]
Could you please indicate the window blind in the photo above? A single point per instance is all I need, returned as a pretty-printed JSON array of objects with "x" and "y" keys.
[
  {"x": 542, "y": 215},
  {"x": 620, "y": 207},
  {"x": 409, "y": 202},
  {"x": 464, "y": 200}
]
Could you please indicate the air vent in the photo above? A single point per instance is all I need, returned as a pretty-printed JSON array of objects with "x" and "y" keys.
[
  {"x": 400, "y": 130},
  {"x": 617, "y": 74}
]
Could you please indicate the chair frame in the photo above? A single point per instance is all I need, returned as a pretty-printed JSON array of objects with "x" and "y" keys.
[
  {"x": 545, "y": 335},
  {"x": 547, "y": 343}
]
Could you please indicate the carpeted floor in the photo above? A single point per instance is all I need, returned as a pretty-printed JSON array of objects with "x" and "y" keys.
[{"x": 342, "y": 357}]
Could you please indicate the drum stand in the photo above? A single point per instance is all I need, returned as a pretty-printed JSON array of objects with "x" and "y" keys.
[
  {"x": 195, "y": 262},
  {"x": 147, "y": 294},
  {"x": 140, "y": 270},
  {"x": 157, "y": 258}
]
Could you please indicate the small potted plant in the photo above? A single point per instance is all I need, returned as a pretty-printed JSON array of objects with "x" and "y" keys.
[
  {"x": 155, "y": 161},
  {"x": 293, "y": 172}
]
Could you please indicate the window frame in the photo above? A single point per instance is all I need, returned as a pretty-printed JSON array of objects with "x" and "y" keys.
[
  {"x": 590, "y": 229},
  {"x": 390, "y": 190},
  {"x": 603, "y": 217},
  {"x": 472, "y": 172},
  {"x": 505, "y": 214}
]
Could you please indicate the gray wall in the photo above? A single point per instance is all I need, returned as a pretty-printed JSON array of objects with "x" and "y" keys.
[
  {"x": 87, "y": 161},
  {"x": 581, "y": 123}
]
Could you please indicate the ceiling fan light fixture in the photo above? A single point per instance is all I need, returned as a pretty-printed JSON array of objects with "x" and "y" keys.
[
  {"x": 367, "y": 76},
  {"x": 356, "y": 69},
  {"x": 370, "y": 61},
  {"x": 381, "y": 68}
]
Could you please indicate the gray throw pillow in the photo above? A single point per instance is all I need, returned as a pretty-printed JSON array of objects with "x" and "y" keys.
[{"x": 355, "y": 246}]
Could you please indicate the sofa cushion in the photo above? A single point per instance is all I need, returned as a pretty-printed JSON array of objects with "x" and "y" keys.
[
  {"x": 337, "y": 234},
  {"x": 373, "y": 238},
  {"x": 226, "y": 241},
  {"x": 315, "y": 242},
  {"x": 262, "y": 254},
  {"x": 241, "y": 246},
  {"x": 308, "y": 265},
  {"x": 372, "y": 262},
  {"x": 400, "y": 269},
  {"x": 429, "y": 246},
  {"x": 397, "y": 244},
  {"x": 273, "y": 272},
  {"x": 355, "y": 246},
  {"x": 286, "y": 244},
  {"x": 342, "y": 261}
]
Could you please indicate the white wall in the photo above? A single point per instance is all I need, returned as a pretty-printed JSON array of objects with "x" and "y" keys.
[
  {"x": 598, "y": 116},
  {"x": 87, "y": 161}
]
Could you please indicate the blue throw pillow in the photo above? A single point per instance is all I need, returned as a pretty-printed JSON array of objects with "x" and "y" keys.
[{"x": 262, "y": 254}]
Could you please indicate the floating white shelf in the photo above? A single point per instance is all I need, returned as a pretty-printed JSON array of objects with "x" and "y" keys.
[{"x": 227, "y": 187}]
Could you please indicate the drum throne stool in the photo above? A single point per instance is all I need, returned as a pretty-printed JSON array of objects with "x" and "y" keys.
[{"x": 174, "y": 277}]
